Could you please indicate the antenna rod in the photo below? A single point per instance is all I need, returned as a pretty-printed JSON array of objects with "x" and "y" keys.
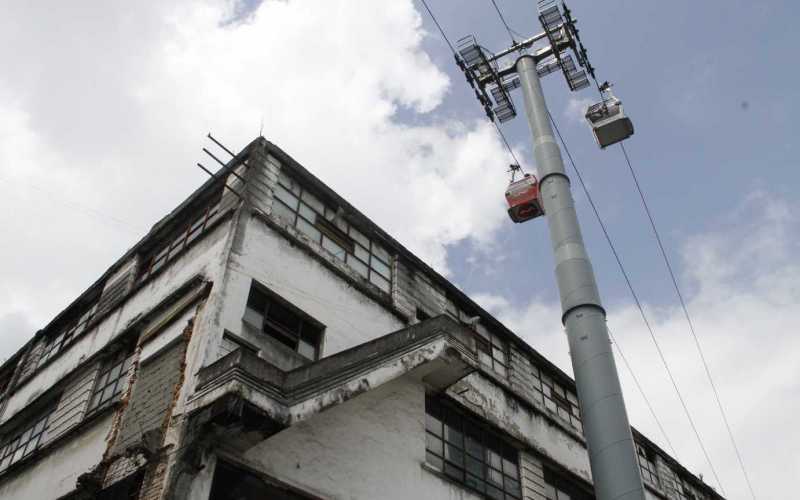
[{"x": 612, "y": 454}]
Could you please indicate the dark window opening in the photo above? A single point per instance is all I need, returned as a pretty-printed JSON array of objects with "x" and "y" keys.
[
  {"x": 125, "y": 489},
  {"x": 469, "y": 452},
  {"x": 558, "y": 487},
  {"x": 283, "y": 322},
  {"x": 231, "y": 483}
]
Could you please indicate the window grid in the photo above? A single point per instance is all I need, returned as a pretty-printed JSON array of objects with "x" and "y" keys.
[
  {"x": 110, "y": 382},
  {"x": 557, "y": 487},
  {"x": 647, "y": 465},
  {"x": 492, "y": 351},
  {"x": 182, "y": 239},
  {"x": 55, "y": 344},
  {"x": 280, "y": 322},
  {"x": 23, "y": 443},
  {"x": 469, "y": 453},
  {"x": 556, "y": 398},
  {"x": 301, "y": 209}
]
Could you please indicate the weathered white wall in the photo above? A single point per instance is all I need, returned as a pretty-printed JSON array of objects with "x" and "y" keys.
[
  {"x": 370, "y": 447},
  {"x": 56, "y": 473},
  {"x": 350, "y": 317},
  {"x": 202, "y": 258}
]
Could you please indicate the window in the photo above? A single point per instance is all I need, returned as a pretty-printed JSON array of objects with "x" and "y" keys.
[
  {"x": 298, "y": 207},
  {"x": 283, "y": 322},
  {"x": 422, "y": 315},
  {"x": 492, "y": 350},
  {"x": 556, "y": 398},
  {"x": 25, "y": 442},
  {"x": 182, "y": 239},
  {"x": 111, "y": 381},
  {"x": 467, "y": 451},
  {"x": 233, "y": 483},
  {"x": 647, "y": 464},
  {"x": 54, "y": 344},
  {"x": 557, "y": 487}
]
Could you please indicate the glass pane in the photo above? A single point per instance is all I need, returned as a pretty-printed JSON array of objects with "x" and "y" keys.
[
  {"x": 434, "y": 460},
  {"x": 512, "y": 486},
  {"x": 452, "y": 435},
  {"x": 563, "y": 413},
  {"x": 500, "y": 369},
  {"x": 494, "y": 459},
  {"x": 475, "y": 483},
  {"x": 382, "y": 268},
  {"x": 362, "y": 253},
  {"x": 453, "y": 471},
  {"x": 114, "y": 373},
  {"x": 357, "y": 265},
  {"x": 433, "y": 444},
  {"x": 284, "y": 212},
  {"x": 499, "y": 354},
  {"x": 474, "y": 466},
  {"x": 333, "y": 247},
  {"x": 494, "y": 493},
  {"x": 485, "y": 358},
  {"x": 572, "y": 398},
  {"x": 310, "y": 231},
  {"x": 494, "y": 476},
  {"x": 510, "y": 468},
  {"x": 306, "y": 349},
  {"x": 473, "y": 447},
  {"x": 432, "y": 424},
  {"x": 382, "y": 283},
  {"x": 306, "y": 212},
  {"x": 286, "y": 197},
  {"x": 360, "y": 238},
  {"x": 549, "y": 404},
  {"x": 284, "y": 317},
  {"x": 287, "y": 181},
  {"x": 454, "y": 454},
  {"x": 313, "y": 202},
  {"x": 379, "y": 252}
]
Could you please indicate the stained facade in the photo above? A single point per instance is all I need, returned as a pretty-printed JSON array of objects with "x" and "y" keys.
[{"x": 267, "y": 340}]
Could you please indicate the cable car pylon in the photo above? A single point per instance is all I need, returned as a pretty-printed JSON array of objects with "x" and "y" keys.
[{"x": 612, "y": 455}]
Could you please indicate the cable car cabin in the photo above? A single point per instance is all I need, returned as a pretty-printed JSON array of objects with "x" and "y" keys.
[
  {"x": 609, "y": 123},
  {"x": 523, "y": 199}
]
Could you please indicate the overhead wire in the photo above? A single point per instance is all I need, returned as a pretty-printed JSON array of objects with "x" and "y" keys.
[
  {"x": 503, "y": 19},
  {"x": 638, "y": 304},
  {"x": 619, "y": 263},
  {"x": 688, "y": 318},
  {"x": 642, "y": 393},
  {"x": 453, "y": 50}
]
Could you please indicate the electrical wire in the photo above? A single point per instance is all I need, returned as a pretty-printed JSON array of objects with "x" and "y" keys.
[
  {"x": 503, "y": 19},
  {"x": 638, "y": 304},
  {"x": 688, "y": 317},
  {"x": 452, "y": 49},
  {"x": 642, "y": 393},
  {"x": 439, "y": 26}
]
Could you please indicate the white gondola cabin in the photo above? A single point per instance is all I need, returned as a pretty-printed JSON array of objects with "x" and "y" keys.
[
  {"x": 608, "y": 121},
  {"x": 523, "y": 199}
]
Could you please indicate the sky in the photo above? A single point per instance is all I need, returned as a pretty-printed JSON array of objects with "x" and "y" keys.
[{"x": 104, "y": 108}]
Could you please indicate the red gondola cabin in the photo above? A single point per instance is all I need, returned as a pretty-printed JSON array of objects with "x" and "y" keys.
[{"x": 523, "y": 199}]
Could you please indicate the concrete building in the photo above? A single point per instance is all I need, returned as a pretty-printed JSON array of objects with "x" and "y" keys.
[{"x": 267, "y": 340}]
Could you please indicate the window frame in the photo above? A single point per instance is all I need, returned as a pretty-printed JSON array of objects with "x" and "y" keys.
[
  {"x": 10, "y": 447},
  {"x": 122, "y": 360},
  {"x": 296, "y": 206},
  {"x": 470, "y": 452},
  {"x": 305, "y": 321},
  {"x": 647, "y": 464},
  {"x": 159, "y": 256}
]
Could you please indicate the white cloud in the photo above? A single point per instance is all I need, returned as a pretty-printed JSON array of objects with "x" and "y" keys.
[
  {"x": 575, "y": 111},
  {"x": 747, "y": 283},
  {"x": 108, "y": 106}
]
